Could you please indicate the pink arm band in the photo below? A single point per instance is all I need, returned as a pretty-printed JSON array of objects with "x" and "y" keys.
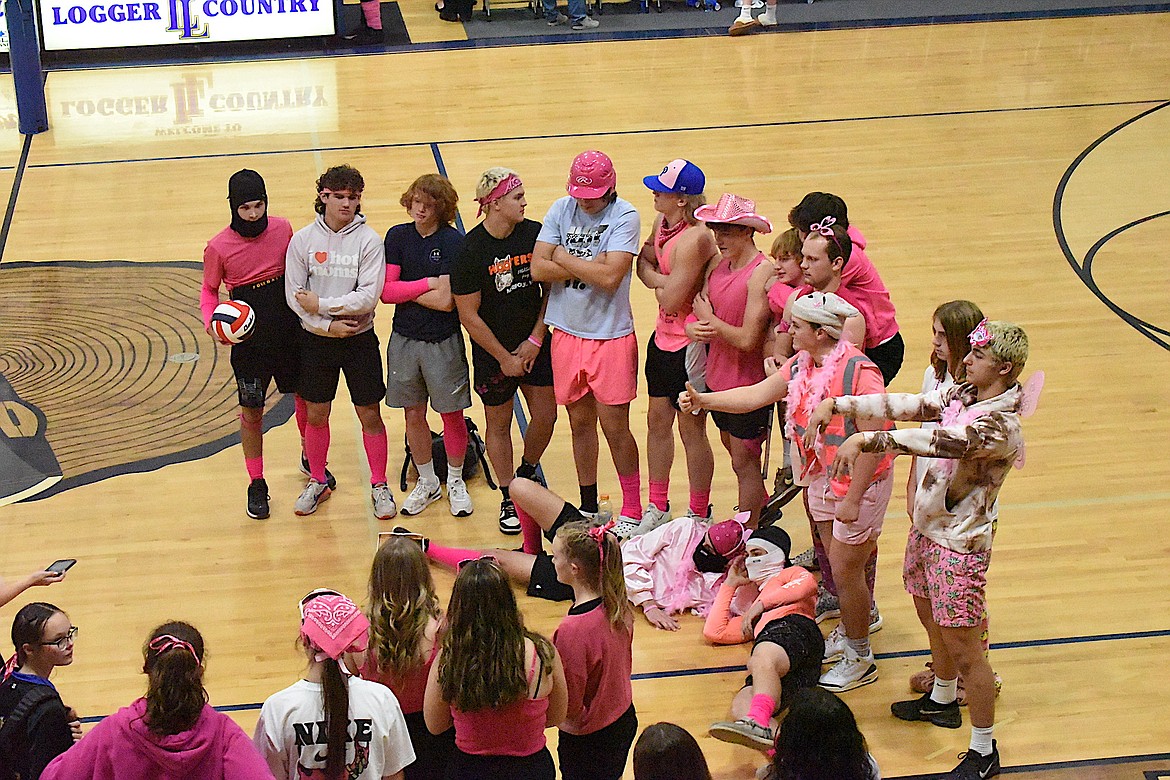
[
  {"x": 208, "y": 300},
  {"x": 395, "y": 291}
]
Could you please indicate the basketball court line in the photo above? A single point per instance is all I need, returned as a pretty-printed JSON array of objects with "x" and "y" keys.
[
  {"x": 14, "y": 194},
  {"x": 617, "y": 133}
]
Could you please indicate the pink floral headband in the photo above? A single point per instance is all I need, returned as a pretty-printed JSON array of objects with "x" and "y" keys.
[
  {"x": 506, "y": 185},
  {"x": 163, "y": 643},
  {"x": 981, "y": 336}
]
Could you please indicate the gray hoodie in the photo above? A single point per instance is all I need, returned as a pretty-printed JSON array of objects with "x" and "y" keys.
[{"x": 347, "y": 269}]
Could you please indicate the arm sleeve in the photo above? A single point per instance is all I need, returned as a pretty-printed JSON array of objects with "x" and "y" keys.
[
  {"x": 721, "y": 628},
  {"x": 989, "y": 436},
  {"x": 396, "y": 747},
  {"x": 396, "y": 291},
  {"x": 466, "y": 272},
  {"x": 626, "y": 234},
  {"x": 907, "y": 407},
  {"x": 270, "y": 750},
  {"x": 550, "y": 229},
  {"x": 212, "y": 279},
  {"x": 576, "y": 669},
  {"x": 296, "y": 277},
  {"x": 789, "y": 587},
  {"x": 371, "y": 279}
]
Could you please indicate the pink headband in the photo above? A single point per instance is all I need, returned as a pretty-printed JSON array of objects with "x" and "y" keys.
[
  {"x": 825, "y": 228},
  {"x": 981, "y": 336},
  {"x": 163, "y": 643},
  {"x": 598, "y": 533},
  {"x": 506, "y": 185}
]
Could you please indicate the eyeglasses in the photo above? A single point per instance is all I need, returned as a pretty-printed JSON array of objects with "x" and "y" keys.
[
  {"x": 384, "y": 536},
  {"x": 64, "y": 642},
  {"x": 488, "y": 557}
]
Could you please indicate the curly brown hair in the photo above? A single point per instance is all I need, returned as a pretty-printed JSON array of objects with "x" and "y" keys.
[
  {"x": 339, "y": 177},
  {"x": 437, "y": 188},
  {"x": 402, "y": 603}
]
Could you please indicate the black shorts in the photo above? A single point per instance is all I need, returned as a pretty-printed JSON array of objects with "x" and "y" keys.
[
  {"x": 569, "y": 514},
  {"x": 802, "y": 640},
  {"x": 273, "y": 350},
  {"x": 465, "y": 766},
  {"x": 543, "y": 582},
  {"x": 432, "y": 752},
  {"x": 323, "y": 358},
  {"x": 747, "y": 426},
  {"x": 887, "y": 356},
  {"x": 666, "y": 372},
  {"x": 494, "y": 387},
  {"x": 601, "y": 755}
]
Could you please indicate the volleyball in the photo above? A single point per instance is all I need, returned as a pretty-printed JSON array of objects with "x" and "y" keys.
[{"x": 232, "y": 322}]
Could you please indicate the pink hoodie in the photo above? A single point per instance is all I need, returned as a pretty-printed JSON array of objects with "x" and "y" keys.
[{"x": 121, "y": 746}]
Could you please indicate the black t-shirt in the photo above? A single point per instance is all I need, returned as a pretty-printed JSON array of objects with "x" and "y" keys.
[
  {"x": 420, "y": 258},
  {"x": 500, "y": 270},
  {"x": 45, "y": 734}
]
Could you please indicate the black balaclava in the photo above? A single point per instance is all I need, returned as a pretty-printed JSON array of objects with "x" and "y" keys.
[{"x": 244, "y": 187}]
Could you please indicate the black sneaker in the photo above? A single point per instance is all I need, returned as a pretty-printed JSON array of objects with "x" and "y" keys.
[
  {"x": 925, "y": 708},
  {"x": 976, "y": 766},
  {"x": 365, "y": 36},
  {"x": 531, "y": 471},
  {"x": 509, "y": 522},
  {"x": 330, "y": 480},
  {"x": 258, "y": 499}
]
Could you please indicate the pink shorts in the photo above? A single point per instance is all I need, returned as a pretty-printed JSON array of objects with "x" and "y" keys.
[
  {"x": 608, "y": 368},
  {"x": 954, "y": 582},
  {"x": 822, "y": 503}
]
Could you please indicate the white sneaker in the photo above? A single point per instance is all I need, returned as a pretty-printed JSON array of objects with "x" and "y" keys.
[
  {"x": 652, "y": 518},
  {"x": 707, "y": 518},
  {"x": 310, "y": 498},
  {"x": 850, "y": 672},
  {"x": 588, "y": 23},
  {"x": 423, "y": 495},
  {"x": 459, "y": 498},
  {"x": 384, "y": 506},
  {"x": 834, "y": 645},
  {"x": 626, "y": 527}
]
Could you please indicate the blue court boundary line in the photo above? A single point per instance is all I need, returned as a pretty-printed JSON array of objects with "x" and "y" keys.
[
  {"x": 612, "y": 133},
  {"x": 1055, "y": 641},
  {"x": 638, "y": 35},
  {"x": 14, "y": 194}
]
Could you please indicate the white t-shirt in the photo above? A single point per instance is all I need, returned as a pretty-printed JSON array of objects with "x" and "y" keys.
[
  {"x": 292, "y": 738},
  {"x": 575, "y": 307}
]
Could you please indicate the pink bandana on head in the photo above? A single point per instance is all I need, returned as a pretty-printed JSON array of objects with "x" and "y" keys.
[
  {"x": 981, "y": 336},
  {"x": 506, "y": 185},
  {"x": 598, "y": 534},
  {"x": 335, "y": 626}
]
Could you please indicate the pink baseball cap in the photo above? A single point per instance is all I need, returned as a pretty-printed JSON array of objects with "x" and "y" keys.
[
  {"x": 591, "y": 175},
  {"x": 334, "y": 624}
]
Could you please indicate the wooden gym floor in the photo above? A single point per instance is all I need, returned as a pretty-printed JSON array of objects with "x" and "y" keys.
[{"x": 1022, "y": 165}]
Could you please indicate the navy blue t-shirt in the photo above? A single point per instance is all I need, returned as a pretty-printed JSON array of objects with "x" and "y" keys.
[{"x": 420, "y": 258}]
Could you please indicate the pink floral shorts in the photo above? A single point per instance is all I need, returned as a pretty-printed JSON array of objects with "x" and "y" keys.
[{"x": 955, "y": 583}]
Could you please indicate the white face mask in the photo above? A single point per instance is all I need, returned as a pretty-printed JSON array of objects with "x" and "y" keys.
[{"x": 761, "y": 568}]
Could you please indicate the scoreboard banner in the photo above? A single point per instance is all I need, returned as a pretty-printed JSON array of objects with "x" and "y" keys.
[{"x": 69, "y": 25}]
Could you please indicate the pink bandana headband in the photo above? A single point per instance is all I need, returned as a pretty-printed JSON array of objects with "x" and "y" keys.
[
  {"x": 163, "y": 643},
  {"x": 506, "y": 185},
  {"x": 981, "y": 336},
  {"x": 334, "y": 625},
  {"x": 598, "y": 533}
]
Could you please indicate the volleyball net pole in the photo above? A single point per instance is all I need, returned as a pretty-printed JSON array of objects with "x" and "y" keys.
[{"x": 24, "y": 52}]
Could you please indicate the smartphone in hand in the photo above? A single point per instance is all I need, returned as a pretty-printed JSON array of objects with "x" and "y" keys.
[{"x": 61, "y": 566}]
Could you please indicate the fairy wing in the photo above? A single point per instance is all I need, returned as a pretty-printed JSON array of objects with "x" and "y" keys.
[{"x": 1030, "y": 394}]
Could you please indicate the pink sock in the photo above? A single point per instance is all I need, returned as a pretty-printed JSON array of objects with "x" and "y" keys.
[
  {"x": 450, "y": 556},
  {"x": 373, "y": 13},
  {"x": 660, "y": 493},
  {"x": 700, "y": 501},
  {"x": 762, "y": 708},
  {"x": 376, "y": 453},
  {"x": 531, "y": 530},
  {"x": 302, "y": 415},
  {"x": 455, "y": 438},
  {"x": 317, "y": 450},
  {"x": 255, "y": 467},
  {"x": 631, "y": 495}
]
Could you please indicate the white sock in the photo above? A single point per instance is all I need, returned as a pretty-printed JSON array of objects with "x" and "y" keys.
[
  {"x": 945, "y": 691},
  {"x": 860, "y": 647},
  {"x": 454, "y": 473},
  {"x": 981, "y": 740},
  {"x": 769, "y": 15},
  {"x": 426, "y": 472},
  {"x": 745, "y": 13}
]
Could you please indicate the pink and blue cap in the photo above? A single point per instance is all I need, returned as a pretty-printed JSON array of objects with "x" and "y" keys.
[
  {"x": 591, "y": 175},
  {"x": 680, "y": 177}
]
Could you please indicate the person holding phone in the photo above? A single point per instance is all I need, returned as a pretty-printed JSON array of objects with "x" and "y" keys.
[{"x": 54, "y": 572}]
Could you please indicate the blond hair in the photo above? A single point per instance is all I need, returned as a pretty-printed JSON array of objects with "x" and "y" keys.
[
  {"x": 490, "y": 178},
  {"x": 1009, "y": 343},
  {"x": 603, "y": 572}
]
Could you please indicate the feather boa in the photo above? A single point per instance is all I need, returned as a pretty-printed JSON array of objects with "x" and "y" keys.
[{"x": 806, "y": 391}]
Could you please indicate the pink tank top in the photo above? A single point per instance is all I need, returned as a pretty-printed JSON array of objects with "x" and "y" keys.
[
  {"x": 516, "y": 729},
  {"x": 727, "y": 367},
  {"x": 670, "y": 333},
  {"x": 408, "y": 689}
]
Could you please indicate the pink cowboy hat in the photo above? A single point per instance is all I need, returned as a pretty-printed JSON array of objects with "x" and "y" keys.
[{"x": 734, "y": 210}]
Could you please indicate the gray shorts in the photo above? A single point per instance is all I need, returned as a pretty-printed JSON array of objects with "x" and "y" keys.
[{"x": 419, "y": 370}]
